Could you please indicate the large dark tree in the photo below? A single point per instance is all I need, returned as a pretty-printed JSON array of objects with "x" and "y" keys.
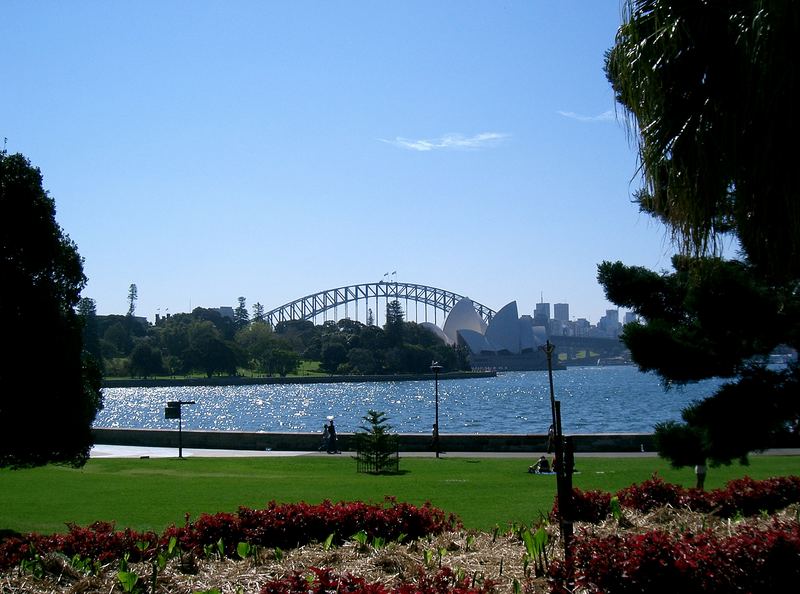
[
  {"x": 709, "y": 89},
  {"x": 208, "y": 351},
  {"x": 49, "y": 392}
]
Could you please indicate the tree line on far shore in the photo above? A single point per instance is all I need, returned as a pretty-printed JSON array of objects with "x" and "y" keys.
[{"x": 206, "y": 342}]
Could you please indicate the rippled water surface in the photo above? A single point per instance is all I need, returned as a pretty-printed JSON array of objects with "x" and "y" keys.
[{"x": 593, "y": 400}]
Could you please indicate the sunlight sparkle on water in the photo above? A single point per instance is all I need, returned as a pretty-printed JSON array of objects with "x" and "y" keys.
[{"x": 593, "y": 400}]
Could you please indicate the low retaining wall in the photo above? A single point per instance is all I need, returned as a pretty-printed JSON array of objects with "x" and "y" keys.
[{"x": 409, "y": 442}]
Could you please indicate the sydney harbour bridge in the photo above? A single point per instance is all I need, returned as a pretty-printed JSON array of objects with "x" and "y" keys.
[{"x": 430, "y": 304}]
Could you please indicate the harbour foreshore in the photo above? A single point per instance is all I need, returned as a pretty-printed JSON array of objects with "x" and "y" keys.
[
  {"x": 240, "y": 380},
  {"x": 408, "y": 442}
]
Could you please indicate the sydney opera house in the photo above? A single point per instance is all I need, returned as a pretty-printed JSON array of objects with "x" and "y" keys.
[{"x": 507, "y": 342}]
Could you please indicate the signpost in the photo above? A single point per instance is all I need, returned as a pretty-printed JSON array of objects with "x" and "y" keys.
[{"x": 173, "y": 411}]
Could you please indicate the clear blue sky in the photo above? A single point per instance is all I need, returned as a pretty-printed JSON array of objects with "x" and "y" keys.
[{"x": 207, "y": 150}]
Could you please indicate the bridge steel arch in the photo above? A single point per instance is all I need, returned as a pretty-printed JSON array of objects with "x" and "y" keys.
[{"x": 311, "y": 306}]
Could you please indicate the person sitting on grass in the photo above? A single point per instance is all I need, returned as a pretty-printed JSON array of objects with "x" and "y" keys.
[{"x": 541, "y": 466}]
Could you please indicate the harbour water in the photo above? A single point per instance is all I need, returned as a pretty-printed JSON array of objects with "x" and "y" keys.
[{"x": 617, "y": 399}]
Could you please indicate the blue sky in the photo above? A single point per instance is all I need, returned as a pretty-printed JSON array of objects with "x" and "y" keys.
[{"x": 210, "y": 150}]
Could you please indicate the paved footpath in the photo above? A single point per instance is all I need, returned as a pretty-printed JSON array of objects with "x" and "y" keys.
[{"x": 114, "y": 451}]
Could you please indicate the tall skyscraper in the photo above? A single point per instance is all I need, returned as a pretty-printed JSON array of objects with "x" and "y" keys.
[
  {"x": 542, "y": 310},
  {"x": 541, "y": 314},
  {"x": 561, "y": 312}
]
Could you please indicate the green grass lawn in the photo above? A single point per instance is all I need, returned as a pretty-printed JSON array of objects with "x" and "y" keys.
[{"x": 153, "y": 493}]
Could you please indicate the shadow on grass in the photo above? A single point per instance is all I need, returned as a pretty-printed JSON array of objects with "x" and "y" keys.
[{"x": 8, "y": 533}]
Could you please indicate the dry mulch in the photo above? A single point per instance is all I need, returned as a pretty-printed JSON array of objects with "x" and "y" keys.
[{"x": 476, "y": 555}]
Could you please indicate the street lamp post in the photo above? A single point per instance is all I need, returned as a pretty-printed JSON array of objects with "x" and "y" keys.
[
  {"x": 548, "y": 349},
  {"x": 436, "y": 368}
]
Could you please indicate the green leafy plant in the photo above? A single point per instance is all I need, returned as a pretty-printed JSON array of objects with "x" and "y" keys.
[
  {"x": 470, "y": 541},
  {"x": 244, "y": 550},
  {"x": 535, "y": 549},
  {"x": 440, "y": 553},
  {"x": 616, "y": 508},
  {"x": 123, "y": 562},
  {"x": 361, "y": 538},
  {"x": 129, "y": 581},
  {"x": 163, "y": 555},
  {"x": 328, "y": 542},
  {"x": 427, "y": 557},
  {"x": 216, "y": 549},
  {"x": 33, "y": 566},
  {"x": 85, "y": 565}
]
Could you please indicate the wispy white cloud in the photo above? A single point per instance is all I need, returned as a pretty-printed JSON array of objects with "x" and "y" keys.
[
  {"x": 606, "y": 116},
  {"x": 449, "y": 142}
]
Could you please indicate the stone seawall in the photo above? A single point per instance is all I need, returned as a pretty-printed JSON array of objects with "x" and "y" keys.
[{"x": 409, "y": 442}]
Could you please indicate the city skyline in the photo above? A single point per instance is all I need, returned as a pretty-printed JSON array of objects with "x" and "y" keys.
[{"x": 272, "y": 150}]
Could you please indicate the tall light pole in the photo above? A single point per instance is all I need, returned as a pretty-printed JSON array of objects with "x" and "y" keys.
[
  {"x": 548, "y": 349},
  {"x": 436, "y": 368}
]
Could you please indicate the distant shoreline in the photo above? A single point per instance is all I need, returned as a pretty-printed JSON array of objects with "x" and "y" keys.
[{"x": 300, "y": 379}]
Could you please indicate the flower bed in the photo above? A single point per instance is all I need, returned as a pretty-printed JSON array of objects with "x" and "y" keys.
[
  {"x": 744, "y": 496},
  {"x": 285, "y": 526},
  {"x": 751, "y": 559}
]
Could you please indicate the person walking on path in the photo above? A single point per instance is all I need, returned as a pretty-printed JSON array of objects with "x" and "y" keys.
[
  {"x": 326, "y": 438},
  {"x": 333, "y": 446}
]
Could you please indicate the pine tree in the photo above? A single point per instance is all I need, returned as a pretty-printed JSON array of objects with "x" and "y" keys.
[
  {"x": 394, "y": 323},
  {"x": 241, "y": 317},
  {"x": 133, "y": 295},
  {"x": 376, "y": 447},
  {"x": 258, "y": 313}
]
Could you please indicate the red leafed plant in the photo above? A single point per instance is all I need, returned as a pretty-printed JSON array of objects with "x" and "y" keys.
[
  {"x": 587, "y": 506},
  {"x": 278, "y": 525},
  {"x": 750, "y": 560},
  {"x": 744, "y": 496}
]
